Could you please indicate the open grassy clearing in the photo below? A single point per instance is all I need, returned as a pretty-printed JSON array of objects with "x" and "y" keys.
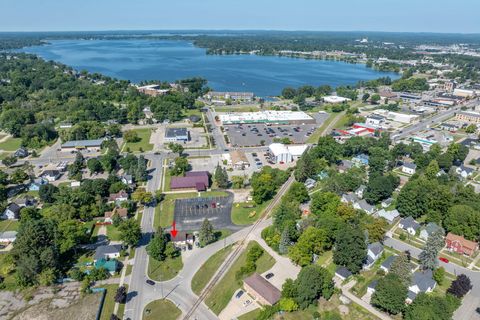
[
  {"x": 9, "y": 225},
  {"x": 243, "y": 215},
  {"x": 11, "y": 144},
  {"x": 223, "y": 291},
  {"x": 161, "y": 309},
  {"x": 109, "y": 302},
  {"x": 208, "y": 269},
  {"x": 144, "y": 143},
  {"x": 164, "y": 270}
]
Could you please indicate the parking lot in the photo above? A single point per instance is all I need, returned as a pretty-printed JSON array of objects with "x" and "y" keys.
[
  {"x": 245, "y": 135},
  {"x": 190, "y": 213}
]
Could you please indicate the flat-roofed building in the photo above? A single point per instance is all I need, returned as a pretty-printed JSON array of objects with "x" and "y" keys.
[
  {"x": 82, "y": 144},
  {"x": 176, "y": 135},
  {"x": 286, "y": 153},
  {"x": 273, "y": 117},
  {"x": 237, "y": 96},
  {"x": 469, "y": 116},
  {"x": 198, "y": 180},
  {"x": 261, "y": 290}
]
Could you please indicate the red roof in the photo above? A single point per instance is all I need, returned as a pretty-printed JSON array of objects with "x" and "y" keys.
[
  {"x": 193, "y": 180},
  {"x": 471, "y": 245}
]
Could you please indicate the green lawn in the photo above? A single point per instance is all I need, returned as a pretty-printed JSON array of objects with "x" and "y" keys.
[
  {"x": 242, "y": 215},
  {"x": 164, "y": 270},
  {"x": 252, "y": 315},
  {"x": 168, "y": 178},
  {"x": 112, "y": 233},
  {"x": 9, "y": 281},
  {"x": 109, "y": 303},
  {"x": 11, "y": 144},
  {"x": 316, "y": 134},
  {"x": 208, "y": 269},
  {"x": 223, "y": 291},
  {"x": 144, "y": 143},
  {"x": 161, "y": 309},
  {"x": 9, "y": 225}
]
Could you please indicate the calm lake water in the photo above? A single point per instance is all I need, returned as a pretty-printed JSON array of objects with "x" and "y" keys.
[{"x": 138, "y": 60}]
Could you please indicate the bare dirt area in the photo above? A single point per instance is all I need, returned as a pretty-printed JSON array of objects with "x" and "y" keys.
[{"x": 48, "y": 305}]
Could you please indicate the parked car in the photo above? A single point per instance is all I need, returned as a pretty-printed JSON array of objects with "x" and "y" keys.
[
  {"x": 269, "y": 275},
  {"x": 150, "y": 282},
  {"x": 444, "y": 259},
  {"x": 239, "y": 294}
]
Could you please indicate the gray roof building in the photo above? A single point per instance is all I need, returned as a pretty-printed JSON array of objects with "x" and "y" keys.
[
  {"x": 343, "y": 272},
  {"x": 104, "y": 251},
  {"x": 81, "y": 144}
]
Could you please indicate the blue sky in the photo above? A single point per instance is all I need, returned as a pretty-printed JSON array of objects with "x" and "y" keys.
[{"x": 342, "y": 15}]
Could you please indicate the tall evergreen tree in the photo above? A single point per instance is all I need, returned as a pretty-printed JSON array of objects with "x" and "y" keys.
[
  {"x": 401, "y": 268},
  {"x": 141, "y": 170},
  {"x": 207, "y": 234},
  {"x": 285, "y": 241},
  {"x": 429, "y": 256}
]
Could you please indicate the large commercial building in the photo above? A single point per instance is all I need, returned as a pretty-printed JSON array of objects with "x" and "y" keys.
[
  {"x": 273, "y": 117},
  {"x": 153, "y": 90},
  {"x": 82, "y": 144},
  {"x": 285, "y": 153},
  {"x": 198, "y": 180},
  {"x": 468, "y": 116},
  {"x": 176, "y": 135},
  {"x": 236, "y": 96}
]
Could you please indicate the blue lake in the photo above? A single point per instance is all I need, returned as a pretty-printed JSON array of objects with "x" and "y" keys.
[{"x": 137, "y": 60}]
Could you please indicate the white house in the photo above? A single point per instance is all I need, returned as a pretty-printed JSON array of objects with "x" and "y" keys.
[
  {"x": 365, "y": 206},
  {"x": 374, "y": 251},
  {"x": 409, "y": 168},
  {"x": 107, "y": 252},
  {"x": 8, "y": 236},
  {"x": 360, "y": 191},
  {"x": 410, "y": 225},
  {"x": 374, "y": 120},
  {"x": 390, "y": 215},
  {"x": 422, "y": 281},
  {"x": 51, "y": 175},
  {"x": 342, "y": 273},
  {"x": 335, "y": 99},
  {"x": 430, "y": 228},
  {"x": 12, "y": 211},
  {"x": 371, "y": 287},
  {"x": 464, "y": 172}
]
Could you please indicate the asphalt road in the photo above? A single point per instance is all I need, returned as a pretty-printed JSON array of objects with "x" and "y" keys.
[{"x": 471, "y": 301}]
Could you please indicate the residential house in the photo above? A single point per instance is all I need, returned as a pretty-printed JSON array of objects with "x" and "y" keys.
[
  {"x": 261, "y": 290},
  {"x": 36, "y": 184},
  {"x": 387, "y": 202},
  {"x": 344, "y": 166},
  {"x": 460, "y": 245},
  {"x": 26, "y": 201},
  {"x": 21, "y": 153},
  {"x": 375, "y": 120},
  {"x": 364, "y": 206},
  {"x": 107, "y": 252},
  {"x": 390, "y": 215},
  {"x": 183, "y": 240},
  {"x": 374, "y": 252},
  {"x": 8, "y": 236},
  {"x": 349, "y": 198},
  {"x": 310, "y": 183},
  {"x": 360, "y": 191},
  {"x": 342, "y": 273},
  {"x": 409, "y": 168},
  {"x": 464, "y": 172},
  {"x": 430, "y": 228},
  {"x": 371, "y": 287},
  {"x": 422, "y": 282},
  {"x": 12, "y": 211},
  {"x": 118, "y": 197},
  {"x": 51, "y": 175},
  {"x": 127, "y": 179},
  {"x": 121, "y": 212},
  {"x": 360, "y": 160},
  {"x": 385, "y": 266},
  {"x": 111, "y": 265},
  {"x": 410, "y": 225}
]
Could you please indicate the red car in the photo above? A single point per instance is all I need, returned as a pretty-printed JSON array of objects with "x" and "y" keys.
[{"x": 444, "y": 260}]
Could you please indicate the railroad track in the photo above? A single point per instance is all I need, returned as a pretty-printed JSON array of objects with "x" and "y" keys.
[{"x": 239, "y": 249}]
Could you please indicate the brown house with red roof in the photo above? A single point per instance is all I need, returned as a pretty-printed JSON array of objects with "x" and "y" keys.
[
  {"x": 460, "y": 245},
  {"x": 121, "y": 212},
  {"x": 261, "y": 290},
  {"x": 198, "y": 180}
]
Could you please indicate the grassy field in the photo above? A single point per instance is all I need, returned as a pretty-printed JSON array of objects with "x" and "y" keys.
[
  {"x": 241, "y": 215},
  {"x": 164, "y": 211},
  {"x": 144, "y": 143},
  {"x": 208, "y": 269},
  {"x": 161, "y": 309},
  {"x": 223, "y": 291},
  {"x": 9, "y": 278},
  {"x": 252, "y": 315},
  {"x": 236, "y": 108},
  {"x": 164, "y": 270},
  {"x": 11, "y": 144},
  {"x": 109, "y": 303},
  {"x": 314, "y": 137},
  {"x": 9, "y": 225},
  {"x": 168, "y": 178},
  {"x": 112, "y": 233}
]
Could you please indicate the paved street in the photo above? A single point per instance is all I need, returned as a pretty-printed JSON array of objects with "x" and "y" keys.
[{"x": 471, "y": 301}]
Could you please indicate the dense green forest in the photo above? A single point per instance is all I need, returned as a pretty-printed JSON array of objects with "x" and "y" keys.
[{"x": 36, "y": 94}]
